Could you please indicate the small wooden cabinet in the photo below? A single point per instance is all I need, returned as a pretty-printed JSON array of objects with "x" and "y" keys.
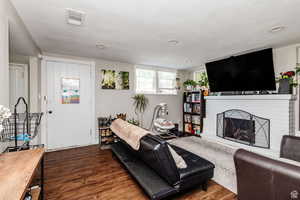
[{"x": 106, "y": 136}]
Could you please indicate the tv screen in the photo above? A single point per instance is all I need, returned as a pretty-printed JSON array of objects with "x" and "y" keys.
[{"x": 248, "y": 72}]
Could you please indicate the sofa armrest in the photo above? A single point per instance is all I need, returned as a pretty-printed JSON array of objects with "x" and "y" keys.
[{"x": 259, "y": 177}]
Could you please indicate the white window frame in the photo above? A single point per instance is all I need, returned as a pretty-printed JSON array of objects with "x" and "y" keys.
[
  {"x": 156, "y": 85},
  {"x": 198, "y": 71}
]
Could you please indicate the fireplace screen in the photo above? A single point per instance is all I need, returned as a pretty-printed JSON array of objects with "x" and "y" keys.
[{"x": 243, "y": 127}]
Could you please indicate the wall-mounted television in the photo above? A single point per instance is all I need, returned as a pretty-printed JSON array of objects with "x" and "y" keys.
[{"x": 247, "y": 72}]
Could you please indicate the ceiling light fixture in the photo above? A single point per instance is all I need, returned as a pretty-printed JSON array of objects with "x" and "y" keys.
[
  {"x": 276, "y": 29},
  {"x": 100, "y": 46},
  {"x": 173, "y": 42}
]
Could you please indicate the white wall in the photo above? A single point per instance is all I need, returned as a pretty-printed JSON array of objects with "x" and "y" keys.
[
  {"x": 9, "y": 20},
  {"x": 4, "y": 71},
  {"x": 111, "y": 102}
]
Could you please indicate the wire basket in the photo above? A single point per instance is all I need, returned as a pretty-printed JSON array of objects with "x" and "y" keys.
[{"x": 21, "y": 127}]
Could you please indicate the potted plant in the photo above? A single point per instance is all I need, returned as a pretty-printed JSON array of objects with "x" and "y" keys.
[
  {"x": 189, "y": 84},
  {"x": 287, "y": 81},
  {"x": 203, "y": 83},
  {"x": 140, "y": 104}
]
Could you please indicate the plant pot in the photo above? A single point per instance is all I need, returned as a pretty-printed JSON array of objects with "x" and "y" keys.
[
  {"x": 206, "y": 92},
  {"x": 198, "y": 88},
  {"x": 285, "y": 87},
  {"x": 189, "y": 87}
]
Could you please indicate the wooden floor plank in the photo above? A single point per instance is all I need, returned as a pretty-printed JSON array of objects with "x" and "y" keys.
[{"x": 89, "y": 173}]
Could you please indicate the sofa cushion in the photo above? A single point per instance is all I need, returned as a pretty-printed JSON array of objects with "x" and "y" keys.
[
  {"x": 195, "y": 164},
  {"x": 155, "y": 153},
  {"x": 179, "y": 161}
]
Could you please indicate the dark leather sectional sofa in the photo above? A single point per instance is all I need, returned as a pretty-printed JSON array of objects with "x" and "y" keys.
[
  {"x": 262, "y": 178},
  {"x": 155, "y": 170}
]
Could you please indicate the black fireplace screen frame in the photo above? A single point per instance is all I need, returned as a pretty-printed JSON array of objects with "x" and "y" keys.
[{"x": 261, "y": 130}]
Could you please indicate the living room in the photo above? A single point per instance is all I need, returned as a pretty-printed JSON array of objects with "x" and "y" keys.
[{"x": 149, "y": 100}]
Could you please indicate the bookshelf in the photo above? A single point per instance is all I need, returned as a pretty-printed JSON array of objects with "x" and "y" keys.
[{"x": 193, "y": 112}]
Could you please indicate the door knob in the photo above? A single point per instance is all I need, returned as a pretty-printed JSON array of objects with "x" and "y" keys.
[{"x": 50, "y": 111}]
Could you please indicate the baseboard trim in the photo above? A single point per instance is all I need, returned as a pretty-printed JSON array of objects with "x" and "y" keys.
[{"x": 70, "y": 147}]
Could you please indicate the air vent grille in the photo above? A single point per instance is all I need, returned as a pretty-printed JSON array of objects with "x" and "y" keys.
[{"x": 75, "y": 17}]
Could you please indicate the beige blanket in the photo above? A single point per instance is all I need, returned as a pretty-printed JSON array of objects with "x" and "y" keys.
[
  {"x": 128, "y": 132},
  {"x": 132, "y": 135}
]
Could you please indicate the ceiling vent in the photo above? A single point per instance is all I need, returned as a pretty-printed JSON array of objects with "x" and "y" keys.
[{"x": 75, "y": 17}]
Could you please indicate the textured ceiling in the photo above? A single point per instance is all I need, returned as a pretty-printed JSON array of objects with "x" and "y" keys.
[{"x": 138, "y": 31}]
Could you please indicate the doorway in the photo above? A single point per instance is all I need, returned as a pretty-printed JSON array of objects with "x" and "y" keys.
[
  {"x": 18, "y": 84},
  {"x": 69, "y": 103}
]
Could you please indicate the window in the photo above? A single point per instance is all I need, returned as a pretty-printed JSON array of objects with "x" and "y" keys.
[
  {"x": 197, "y": 76},
  {"x": 145, "y": 81},
  {"x": 154, "y": 81},
  {"x": 166, "y": 82}
]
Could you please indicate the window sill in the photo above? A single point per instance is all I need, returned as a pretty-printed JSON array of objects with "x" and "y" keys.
[{"x": 155, "y": 94}]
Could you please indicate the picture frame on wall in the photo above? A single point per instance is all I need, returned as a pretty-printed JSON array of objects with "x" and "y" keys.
[
  {"x": 70, "y": 90},
  {"x": 112, "y": 79},
  {"x": 108, "y": 79}
]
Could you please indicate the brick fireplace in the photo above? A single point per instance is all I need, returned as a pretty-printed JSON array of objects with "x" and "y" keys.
[{"x": 279, "y": 109}]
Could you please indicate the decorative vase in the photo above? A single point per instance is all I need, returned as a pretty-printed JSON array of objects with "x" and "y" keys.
[
  {"x": 285, "y": 87},
  {"x": 206, "y": 92}
]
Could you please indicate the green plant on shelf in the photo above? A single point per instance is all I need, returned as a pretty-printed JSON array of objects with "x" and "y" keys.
[
  {"x": 189, "y": 84},
  {"x": 203, "y": 80}
]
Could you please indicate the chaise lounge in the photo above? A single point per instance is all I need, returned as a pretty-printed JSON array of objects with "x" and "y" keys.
[{"x": 154, "y": 168}]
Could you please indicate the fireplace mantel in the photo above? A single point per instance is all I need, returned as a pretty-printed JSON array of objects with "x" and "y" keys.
[
  {"x": 278, "y": 108},
  {"x": 253, "y": 97}
]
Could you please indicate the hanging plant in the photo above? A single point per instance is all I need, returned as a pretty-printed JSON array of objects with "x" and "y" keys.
[{"x": 140, "y": 104}]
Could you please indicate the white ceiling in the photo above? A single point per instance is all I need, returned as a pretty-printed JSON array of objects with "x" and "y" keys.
[{"x": 138, "y": 31}]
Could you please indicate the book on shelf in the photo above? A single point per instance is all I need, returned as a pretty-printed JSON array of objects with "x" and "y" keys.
[
  {"x": 187, "y": 107},
  {"x": 187, "y": 118},
  {"x": 196, "y": 119},
  {"x": 193, "y": 97},
  {"x": 196, "y": 129},
  {"x": 197, "y": 108},
  {"x": 188, "y": 128},
  {"x": 188, "y": 98},
  {"x": 196, "y": 97}
]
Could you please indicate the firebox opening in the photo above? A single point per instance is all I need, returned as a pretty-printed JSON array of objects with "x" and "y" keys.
[{"x": 242, "y": 130}]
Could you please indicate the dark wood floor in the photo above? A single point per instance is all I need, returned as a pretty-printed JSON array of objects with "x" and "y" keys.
[{"x": 89, "y": 173}]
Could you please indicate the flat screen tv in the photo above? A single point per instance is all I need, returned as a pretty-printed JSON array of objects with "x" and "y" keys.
[{"x": 248, "y": 72}]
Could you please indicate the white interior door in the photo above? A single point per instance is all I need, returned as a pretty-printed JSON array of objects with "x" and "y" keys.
[
  {"x": 68, "y": 123},
  {"x": 18, "y": 85}
]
